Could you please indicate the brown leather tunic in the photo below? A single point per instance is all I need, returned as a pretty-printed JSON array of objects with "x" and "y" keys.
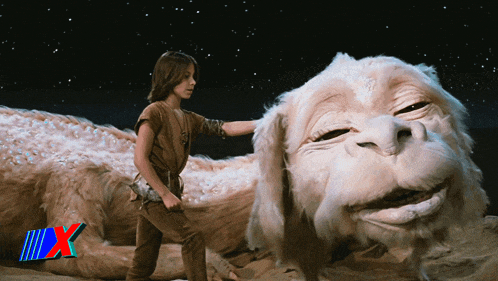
[{"x": 171, "y": 148}]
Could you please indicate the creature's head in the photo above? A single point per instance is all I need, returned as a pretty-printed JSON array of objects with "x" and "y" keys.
[{"x": 373, "y": 149}]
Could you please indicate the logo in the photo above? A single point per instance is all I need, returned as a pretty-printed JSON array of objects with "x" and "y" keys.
[{"x": 51, "y": 243}]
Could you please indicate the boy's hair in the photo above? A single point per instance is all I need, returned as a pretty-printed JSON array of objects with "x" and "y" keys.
[{"x": 169, "y": 72}]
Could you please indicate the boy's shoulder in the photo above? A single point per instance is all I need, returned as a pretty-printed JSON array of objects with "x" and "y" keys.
[
  {"x": 191, "y": 113},
  {"x": 153, "y": 111},
  {"x": 156, "y": 106},
  {"x": 160, "y": 107},
  {"x": 187, "y": 111}
]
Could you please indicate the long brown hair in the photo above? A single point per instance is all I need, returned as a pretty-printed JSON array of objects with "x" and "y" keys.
[{"x": 169, "y": 72}]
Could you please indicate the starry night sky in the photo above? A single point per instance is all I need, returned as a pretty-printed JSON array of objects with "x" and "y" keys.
[
  {"x": 94, "y": 58},
  {"x": 249, "y": 52}
]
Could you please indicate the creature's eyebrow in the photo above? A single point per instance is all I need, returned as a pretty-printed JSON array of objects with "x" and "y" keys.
[
  {"x": 409, "y": 93},
  {"x": 326, "y": 102},
  {"x": 338, "y": 101},
  {"x": 327, "y": 95},
  {"x": 400, "y": 78},
  {"x": 396, "y": 81}
]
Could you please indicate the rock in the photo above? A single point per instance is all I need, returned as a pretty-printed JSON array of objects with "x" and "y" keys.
[{"x": 491, "y": 223}]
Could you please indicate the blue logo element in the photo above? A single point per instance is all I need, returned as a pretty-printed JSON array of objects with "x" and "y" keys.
[{"x": 51, "y": 243}]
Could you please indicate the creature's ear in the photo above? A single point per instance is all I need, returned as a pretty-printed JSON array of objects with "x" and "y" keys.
[
  {"x": 266, "y": 224},
  {"x": 429, "y": 71},
  {"x": 475, "y": 198},
  {"x": 341, "y": 58}
]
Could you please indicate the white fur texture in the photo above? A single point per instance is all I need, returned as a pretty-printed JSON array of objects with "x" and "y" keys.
[
  {"x": 307, "y": 192},
  {"x": 379, "y": 144},
  {"x": 58, "y": 170}
]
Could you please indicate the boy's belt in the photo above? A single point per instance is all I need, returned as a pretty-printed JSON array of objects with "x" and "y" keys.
[{"x": 173, "y": 181}]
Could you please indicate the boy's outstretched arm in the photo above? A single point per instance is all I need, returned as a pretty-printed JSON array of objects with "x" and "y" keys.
[{"x": 239, "y": 128}]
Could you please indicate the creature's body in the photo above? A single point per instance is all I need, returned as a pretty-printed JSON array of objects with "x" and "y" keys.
[
  {"x": 369, "y": 150},
  {"x": 59, "y": 170}
]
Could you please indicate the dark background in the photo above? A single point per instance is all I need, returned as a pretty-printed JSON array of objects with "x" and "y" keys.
[{"x": 94, "y": 58}]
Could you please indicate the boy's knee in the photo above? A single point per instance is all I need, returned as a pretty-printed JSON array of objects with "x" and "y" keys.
[{"x": 194, "y": 237}]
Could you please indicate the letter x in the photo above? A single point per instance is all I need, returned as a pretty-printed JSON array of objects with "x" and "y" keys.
[{"x": 65, "y": 238}]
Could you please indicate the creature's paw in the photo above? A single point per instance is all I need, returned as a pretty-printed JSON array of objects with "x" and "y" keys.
[
  {"x": 97, "y": 261},
  {"x": 223, "y": 268}
]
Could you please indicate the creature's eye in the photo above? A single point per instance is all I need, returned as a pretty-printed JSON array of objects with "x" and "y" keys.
[
  {"x": 412, "y": 107},
  {"x": 333, "y": 134}
]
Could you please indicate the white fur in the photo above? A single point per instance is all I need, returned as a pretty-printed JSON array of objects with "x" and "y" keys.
[
  {"x": 366, "y": 163},
  {"x": 58, "y": 170}
]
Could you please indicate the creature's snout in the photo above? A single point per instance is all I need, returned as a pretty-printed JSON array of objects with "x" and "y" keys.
[{"x": 386, "y": 135}]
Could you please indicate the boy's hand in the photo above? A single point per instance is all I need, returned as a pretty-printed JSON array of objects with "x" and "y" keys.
[{"x": 171, "y": 202}]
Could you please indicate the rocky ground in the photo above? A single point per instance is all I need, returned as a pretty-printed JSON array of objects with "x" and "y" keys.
[{"x": 470, "y": 255}]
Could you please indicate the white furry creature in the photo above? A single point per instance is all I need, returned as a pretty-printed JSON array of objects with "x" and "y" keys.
[
  {"x": 368, "y": 150},
  {"x": 59, "y": 170}
]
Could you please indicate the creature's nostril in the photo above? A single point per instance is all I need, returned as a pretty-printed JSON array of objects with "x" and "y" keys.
[
  {"x": 366, "y": 144},
  {"x": 404, "y": 133}
]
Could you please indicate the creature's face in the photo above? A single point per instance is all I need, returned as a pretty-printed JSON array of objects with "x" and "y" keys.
[
  {"x": 375, "y": 149},
  {"x": 376, "y": 154}
]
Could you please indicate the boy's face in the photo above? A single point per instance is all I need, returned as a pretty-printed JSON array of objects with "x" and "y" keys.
[{"x": 185, "y": 89}]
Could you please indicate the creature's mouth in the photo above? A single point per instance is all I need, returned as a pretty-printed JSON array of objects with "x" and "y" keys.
[
  {"x": 397, "y": 198},
  {"x": 400, "y": 206}
]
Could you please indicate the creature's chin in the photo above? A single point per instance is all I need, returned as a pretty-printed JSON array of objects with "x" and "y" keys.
[{"x": 399, "y": 217}]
